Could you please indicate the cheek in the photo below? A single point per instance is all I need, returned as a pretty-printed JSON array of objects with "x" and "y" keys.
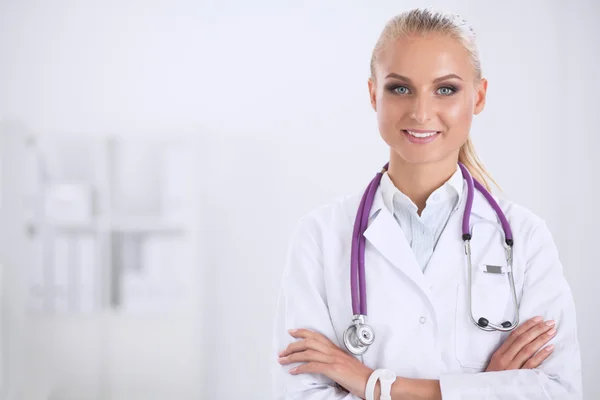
[
  {"x": 384, "y": 118},
  {"x": 457, "y": 114},
  {"x": 389, "y": 112}
]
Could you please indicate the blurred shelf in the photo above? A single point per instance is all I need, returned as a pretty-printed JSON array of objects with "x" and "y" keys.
[
  {"x": 116, "y": 314},
  {"x": 73, "y": 227},
  {"x": 129, "y": 225},
  {"x": 146, "y": 225}
]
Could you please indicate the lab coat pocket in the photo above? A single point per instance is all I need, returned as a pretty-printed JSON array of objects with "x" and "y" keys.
[
  {"x": 474, "y": 346},
  {"x": 490, "y": 292}
]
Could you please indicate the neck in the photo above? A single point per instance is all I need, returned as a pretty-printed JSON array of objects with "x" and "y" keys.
[{"x": 418, "y": 181}]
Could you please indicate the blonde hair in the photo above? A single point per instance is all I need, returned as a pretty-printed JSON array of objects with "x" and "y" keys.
[{"x": 423, "y": 21}]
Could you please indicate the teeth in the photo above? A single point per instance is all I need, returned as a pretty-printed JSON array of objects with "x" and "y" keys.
[{"x": 421, "y": 135}]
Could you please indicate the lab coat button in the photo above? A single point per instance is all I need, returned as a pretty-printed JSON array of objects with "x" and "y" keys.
[{"x": 422, "y": 320}]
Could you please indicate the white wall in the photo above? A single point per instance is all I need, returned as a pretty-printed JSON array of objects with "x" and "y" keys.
[
  {"x": 277, "y": 93},
  {"x": 576, "y": 225}
]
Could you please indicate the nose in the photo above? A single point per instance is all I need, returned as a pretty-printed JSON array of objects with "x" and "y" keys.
[{"x": 422, "y": 109}]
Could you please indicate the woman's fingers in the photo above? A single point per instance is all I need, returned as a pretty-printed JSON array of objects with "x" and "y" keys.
[
  {"x": 537, "y": 360},
  {"x": 312, "y": 349},
  {"x": 529, "y": 350},
  {"x": 306, "y": 357},
  {"x": 306, "y": 334},
  {"x": 522, "y": 345},
  {"x": 316, "y": 354},
  {"x": 527, "y": 338},
  {"x": 518, "y": 331},
  {"x": 306, "y": 344}
]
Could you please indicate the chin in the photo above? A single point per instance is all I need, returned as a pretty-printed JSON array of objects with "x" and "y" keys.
[
  {"x": 421, "y": 157},
  {"x": 432, "y": 153}
]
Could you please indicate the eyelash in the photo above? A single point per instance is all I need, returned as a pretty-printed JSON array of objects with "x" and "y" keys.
[{"x": 392, "y": 89}]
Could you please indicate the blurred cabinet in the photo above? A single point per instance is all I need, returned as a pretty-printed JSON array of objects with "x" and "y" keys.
[
  {"x": 115, "y": 226},
  {"x": 101, "y": 267}
]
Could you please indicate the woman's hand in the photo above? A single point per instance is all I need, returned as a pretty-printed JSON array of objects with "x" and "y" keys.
[
  {"x": 519, "y": 349},
  {"x": 321, "y": 356}
]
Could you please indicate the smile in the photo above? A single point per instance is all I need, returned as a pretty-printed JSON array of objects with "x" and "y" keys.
[{"x": 421, "y": 134}]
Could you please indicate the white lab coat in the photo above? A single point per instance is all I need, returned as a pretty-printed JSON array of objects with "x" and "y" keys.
[{"x": 421, "y": 319}]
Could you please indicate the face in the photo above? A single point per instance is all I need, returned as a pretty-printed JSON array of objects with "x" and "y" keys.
[{"x": 425, "y": 96}]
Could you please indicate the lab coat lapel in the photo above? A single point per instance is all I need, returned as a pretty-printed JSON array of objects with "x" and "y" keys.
[{"x": 386, "y": 236}]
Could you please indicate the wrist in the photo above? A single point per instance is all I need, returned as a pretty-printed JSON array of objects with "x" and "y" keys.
[
  {"x": 410, "y": 389},
  {"x": 377, "y": 394},
  {"x": 380, "y": 385},
  {"x": 398, "y": 392},
  {"x": 399, "y": 389}
]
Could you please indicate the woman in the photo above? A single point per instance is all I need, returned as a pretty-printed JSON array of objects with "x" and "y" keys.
[{"x": 425, "y": 86}]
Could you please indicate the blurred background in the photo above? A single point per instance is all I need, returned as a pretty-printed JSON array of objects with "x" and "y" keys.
[{"x": 156, "y": 155}]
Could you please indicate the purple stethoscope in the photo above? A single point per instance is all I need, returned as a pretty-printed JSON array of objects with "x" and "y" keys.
[{"x": 359, "y": 336}]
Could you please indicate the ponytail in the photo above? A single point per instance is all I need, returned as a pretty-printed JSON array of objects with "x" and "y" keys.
[{"x": 469, "y": 159}]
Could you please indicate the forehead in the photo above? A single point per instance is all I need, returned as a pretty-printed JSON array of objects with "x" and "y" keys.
[{"x": 425, "y": 58}]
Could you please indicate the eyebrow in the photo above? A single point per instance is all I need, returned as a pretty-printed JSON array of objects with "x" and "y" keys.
[{"x": 436, "y": 80}]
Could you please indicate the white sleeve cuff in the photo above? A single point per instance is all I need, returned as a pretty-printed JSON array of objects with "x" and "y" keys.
[{"x": 509, "y": 385}]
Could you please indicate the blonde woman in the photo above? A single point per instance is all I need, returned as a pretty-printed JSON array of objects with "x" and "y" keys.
[{"x": 466, "y": 295}]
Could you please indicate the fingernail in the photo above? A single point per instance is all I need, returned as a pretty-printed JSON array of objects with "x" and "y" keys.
[
  {"x": 293, "y": 370},
  {"x": 282, "y": 359},
  {"x": 549, "y": 348},
  {"x": 537, "y": 319},
  {"x": 551, "y": 332},
  {"x": 292, "y": 330},
  {"x": 550, "y": 323}
]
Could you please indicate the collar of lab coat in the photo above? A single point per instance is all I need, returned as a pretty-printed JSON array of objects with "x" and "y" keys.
[
  {"x": 481, "y": 207},
  {"x": 451, "y": 190}
]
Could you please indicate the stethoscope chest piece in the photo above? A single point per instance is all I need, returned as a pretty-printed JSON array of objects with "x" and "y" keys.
[{"x": 359, "y": 336}]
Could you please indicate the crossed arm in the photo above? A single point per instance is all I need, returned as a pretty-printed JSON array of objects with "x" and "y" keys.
[{"x": 318, "y": 355}]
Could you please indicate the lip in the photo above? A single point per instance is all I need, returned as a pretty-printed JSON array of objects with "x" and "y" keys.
[{"x": 417, "y": 140}]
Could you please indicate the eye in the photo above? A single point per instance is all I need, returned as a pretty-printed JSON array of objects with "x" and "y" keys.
[
  {"x": 396, "y": 89},
  {"x": 446, "y": 90}
]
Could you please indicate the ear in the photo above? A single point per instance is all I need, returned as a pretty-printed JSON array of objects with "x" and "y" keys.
[
  {"x": 480, "y": 99},
  {"x": 373, "y": 93}
]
